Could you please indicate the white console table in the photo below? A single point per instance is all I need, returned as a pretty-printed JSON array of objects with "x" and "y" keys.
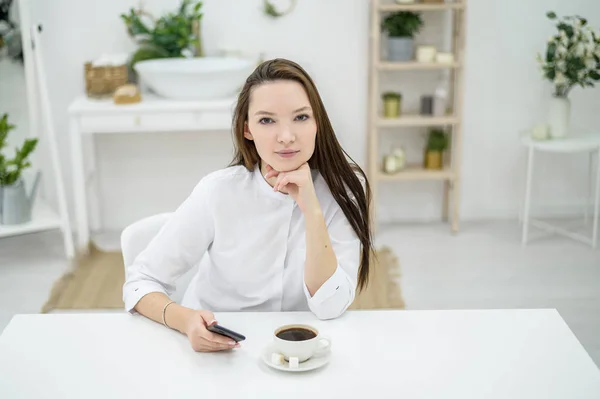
[{"x": 89, "y": 117}]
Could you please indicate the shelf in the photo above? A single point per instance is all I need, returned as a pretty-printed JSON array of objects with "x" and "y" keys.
[
  {"x": 421, "y": 7},
  {"x": 418, "y": 173},
  {"x": 43, "y": 218},
  {"x": 418, "y": 120},
  {"x": 414, "y": 65},
  {"x": 383, "y": 72}
]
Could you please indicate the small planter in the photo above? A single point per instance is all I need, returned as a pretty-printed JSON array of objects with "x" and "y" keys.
[
  {"x": 392, "y": 103},
  {"x": 401, "y": 28},
  {"x": 434, "y": 159},
  {"x": 17, "y": 205},
  {"x": 437, "y": 143},
  {"x": 401, "y": 48}
]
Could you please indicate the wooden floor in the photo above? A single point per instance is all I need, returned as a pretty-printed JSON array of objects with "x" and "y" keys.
[{"x": 484, "y": 266}]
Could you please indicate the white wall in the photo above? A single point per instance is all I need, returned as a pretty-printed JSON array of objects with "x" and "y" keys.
[{"x": 504, "y": 93}]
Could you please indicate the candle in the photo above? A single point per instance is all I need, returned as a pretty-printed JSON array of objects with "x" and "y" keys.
[
  {"x": 444, "y": 58},
  {"x": 426, "y": 53},
  {"x": 540, "y": 132}
]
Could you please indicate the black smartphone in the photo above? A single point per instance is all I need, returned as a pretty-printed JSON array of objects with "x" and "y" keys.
[{"x": 217, "y": 329}]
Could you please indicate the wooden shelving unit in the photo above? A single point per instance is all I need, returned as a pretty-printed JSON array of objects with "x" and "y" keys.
[
  {"x": 413, "y": 66},
  {"x": 418, "y": 173},
  {"x": 457, "y": 5},
  {"x": 450, "y": 174},
  {"x": 418, "y": 120}
]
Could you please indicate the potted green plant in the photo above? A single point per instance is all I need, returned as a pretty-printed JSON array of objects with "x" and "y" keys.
[
  {"x": 16, "y": 205},
  {"x": 5, "y": 128},
  {"x": 572, "y": 58},
  {"x": 437, "y": 143},
  {"x": 172, "y": 35},
  {"x": 401, "y": 28},
  {"x": 391, "y": 104}
]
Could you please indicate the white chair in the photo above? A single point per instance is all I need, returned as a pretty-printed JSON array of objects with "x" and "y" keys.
[{"x": 136, "y": 237}]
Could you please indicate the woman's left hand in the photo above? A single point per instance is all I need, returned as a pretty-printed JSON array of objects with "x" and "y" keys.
[{"x": 297, "y": 183}]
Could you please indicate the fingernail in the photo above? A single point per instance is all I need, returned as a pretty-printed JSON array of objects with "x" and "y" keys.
[
  {"x": 233, "y": 343},
  {"x": 237, "y": 346},
  {"x": 212, "y": 322}
]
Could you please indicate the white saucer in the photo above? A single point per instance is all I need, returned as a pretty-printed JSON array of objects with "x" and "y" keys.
[{"x": 313, "y": 363}]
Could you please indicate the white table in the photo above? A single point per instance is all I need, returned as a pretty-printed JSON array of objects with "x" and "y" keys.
[
  {"x": 89, "y": 117},
  {"x": 579, "y": 141},
  {"x": 400, "y": 354}
]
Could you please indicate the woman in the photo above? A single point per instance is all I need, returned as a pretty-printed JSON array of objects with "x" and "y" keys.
[{"x": 285, "y": 227}]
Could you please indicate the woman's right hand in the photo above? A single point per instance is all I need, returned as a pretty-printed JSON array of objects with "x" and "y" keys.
[{"x": 203, "y": 340}]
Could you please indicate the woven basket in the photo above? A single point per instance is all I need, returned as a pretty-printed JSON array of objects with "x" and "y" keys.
[{"x": 101, "y": 82}]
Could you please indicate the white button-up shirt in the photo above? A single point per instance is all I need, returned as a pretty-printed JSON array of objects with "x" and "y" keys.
[{"x": 251, "y": 245}]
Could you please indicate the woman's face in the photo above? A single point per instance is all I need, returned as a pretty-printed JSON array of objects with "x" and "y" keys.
[{"x": 281, "y": 124}]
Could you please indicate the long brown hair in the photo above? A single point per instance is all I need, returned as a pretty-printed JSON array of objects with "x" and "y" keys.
[{"x": 329, "y": 158}]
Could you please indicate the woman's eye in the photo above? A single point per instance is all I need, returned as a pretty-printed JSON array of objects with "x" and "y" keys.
[
  {"x": 302, "y": 117},
  {"x": 265, "y": 121}
]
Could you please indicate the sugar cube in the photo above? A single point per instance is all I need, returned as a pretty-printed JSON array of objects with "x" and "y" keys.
[
  {"x": 293, "y": 362},
  {"x": 277, "y": 358}
]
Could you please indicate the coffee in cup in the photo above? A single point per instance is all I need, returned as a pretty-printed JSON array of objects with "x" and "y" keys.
[{"x": 300, "y": 341}]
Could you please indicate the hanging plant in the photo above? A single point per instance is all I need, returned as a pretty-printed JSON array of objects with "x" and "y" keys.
[{"x": 270, "y": 10}]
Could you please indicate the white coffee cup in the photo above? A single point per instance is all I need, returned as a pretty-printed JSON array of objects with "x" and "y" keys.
[{"x": 301, "y": 341}]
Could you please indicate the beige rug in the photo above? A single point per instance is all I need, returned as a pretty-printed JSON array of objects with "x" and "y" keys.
[{"x": 96, "y": 282}]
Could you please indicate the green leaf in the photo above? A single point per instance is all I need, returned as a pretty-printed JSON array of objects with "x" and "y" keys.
[
  {"x": 571, "y": 74},
  {"x": 550, "y": 52},
  {"x": 402, "y": 24},
  {"x": 270, "y": 10},
  {"x": 551, "y": 15},
  {"x": 19, "y": 162},
  {"x": 172, "y": 32},
  {"x": 567, "y": 29},
  {"x": 594, "y": 75}
]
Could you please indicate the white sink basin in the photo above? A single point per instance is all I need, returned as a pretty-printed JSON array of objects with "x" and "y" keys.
[{"x": 205, "y": 78}]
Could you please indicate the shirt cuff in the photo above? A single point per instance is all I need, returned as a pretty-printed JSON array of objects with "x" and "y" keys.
[
  {"x": 136, "y": 291},
  {"x": 332, "y": 286}
]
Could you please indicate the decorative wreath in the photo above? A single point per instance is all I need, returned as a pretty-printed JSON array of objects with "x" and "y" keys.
[{"x": 271, "y": 10}]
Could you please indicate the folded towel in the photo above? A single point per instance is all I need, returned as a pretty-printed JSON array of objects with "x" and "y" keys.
[{"x": 116, "y": 59}]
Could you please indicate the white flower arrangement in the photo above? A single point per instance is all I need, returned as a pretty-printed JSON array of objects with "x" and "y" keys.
[{"x": 573, "y": 55}]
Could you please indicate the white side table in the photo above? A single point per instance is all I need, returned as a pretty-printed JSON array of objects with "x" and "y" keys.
[{"x": 588, "y": 142}]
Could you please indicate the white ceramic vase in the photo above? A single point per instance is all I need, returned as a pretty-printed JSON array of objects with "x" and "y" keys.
[{"x": 559, "y": 116}]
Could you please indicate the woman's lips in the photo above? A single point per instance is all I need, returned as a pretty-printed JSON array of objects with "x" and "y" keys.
[{"x": 287, "y": 153}]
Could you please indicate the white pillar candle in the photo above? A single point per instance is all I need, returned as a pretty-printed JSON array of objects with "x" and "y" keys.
[{"x": 426, "y": 53}]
